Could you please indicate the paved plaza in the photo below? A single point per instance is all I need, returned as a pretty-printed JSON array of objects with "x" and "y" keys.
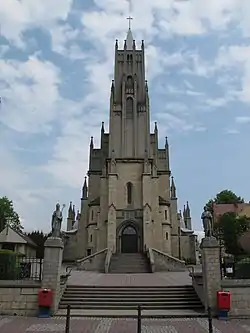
[
  {"x": 105, "y": 325},
  {"x": 86, "y": 278}
]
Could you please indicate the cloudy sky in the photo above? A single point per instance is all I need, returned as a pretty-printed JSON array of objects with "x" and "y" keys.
[{"x": 56, "y": 63}]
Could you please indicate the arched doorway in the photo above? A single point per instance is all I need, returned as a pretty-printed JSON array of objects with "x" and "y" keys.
[{"x": 129, "y": 240}]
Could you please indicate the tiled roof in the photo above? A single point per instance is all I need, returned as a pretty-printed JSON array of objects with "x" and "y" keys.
[{"x": 220, "y": 209}]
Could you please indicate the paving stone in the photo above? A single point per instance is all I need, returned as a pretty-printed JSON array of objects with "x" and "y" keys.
[
  {"x": 111, "y": 325},
  {"x": 85, "y": 278}
]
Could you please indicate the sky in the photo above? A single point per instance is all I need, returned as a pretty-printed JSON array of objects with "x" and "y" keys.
[{"x": 56, "y": 67}]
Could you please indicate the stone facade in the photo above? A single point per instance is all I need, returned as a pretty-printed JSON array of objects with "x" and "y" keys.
[
  {"x": 20, "y": 300},
  {"x": 129, "y": 203}
]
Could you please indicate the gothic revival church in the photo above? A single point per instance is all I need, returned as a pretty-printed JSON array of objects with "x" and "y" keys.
[{"x": 129, "y": 203}]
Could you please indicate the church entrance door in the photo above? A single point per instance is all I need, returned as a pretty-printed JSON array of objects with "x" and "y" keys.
[{"x": 129, "y": 240}]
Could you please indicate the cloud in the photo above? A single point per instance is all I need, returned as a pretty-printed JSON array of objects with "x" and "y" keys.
[
  {"x": 242, "y": 120},
  {"x": 56, "y": 96},
  {"x": 32, "y": 86},
  {"x": 19, "y": 16}
]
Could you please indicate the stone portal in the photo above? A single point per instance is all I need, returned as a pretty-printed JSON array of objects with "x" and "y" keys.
[{"x": 129, "y": 240}]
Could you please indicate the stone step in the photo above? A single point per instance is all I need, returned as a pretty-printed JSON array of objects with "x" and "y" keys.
[
  {"x": 184, "y": 313},
  {"x": 132, "y": 306},
  {"x": 131, "y": 288},
  {"x": 129, "y": 263},
  {"x": 128, "y": 298},
  {"x": 125, "y": 297},
  {"x": 138, "y": 300}
]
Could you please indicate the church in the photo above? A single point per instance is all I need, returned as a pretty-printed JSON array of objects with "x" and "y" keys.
[{"x": 129, "y": 199}]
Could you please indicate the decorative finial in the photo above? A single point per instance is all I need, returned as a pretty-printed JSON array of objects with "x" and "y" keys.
[
  {"x": 156, "y": 129},
  {"x": 166, "y": 141},
  {"x": 91, "y": 142},
  {"x": 173, "y": 188},
  {"x": 85, "y": 189},
  {"x": 103, "y": 127}
]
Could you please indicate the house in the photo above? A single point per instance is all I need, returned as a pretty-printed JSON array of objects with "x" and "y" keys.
[
  {"x": 18, "y": 242},
  {"x": 241, "y": 209}
]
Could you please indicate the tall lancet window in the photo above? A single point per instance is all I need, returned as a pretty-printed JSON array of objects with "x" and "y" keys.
[
  {"x": 129, "y": 193},
  {"x": 129, "y": 107},
  {"x": 130, "y": 85}
]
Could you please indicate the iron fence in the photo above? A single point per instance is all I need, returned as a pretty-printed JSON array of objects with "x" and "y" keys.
[
  {"x": 21, "y": 268},
  {"x": 235, "y": 267},
  {"x": 138, "y": 319}
]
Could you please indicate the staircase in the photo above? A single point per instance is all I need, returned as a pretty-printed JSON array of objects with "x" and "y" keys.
[
  {"x": 129, "y": 263},
  {"x": 120, "y": 301}
]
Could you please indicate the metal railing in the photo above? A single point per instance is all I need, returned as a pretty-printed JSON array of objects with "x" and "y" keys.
[
  {"x": 235, "y": 267},
  {"x": 139, "y": 320},
  {"x": 21, "y": 268}
]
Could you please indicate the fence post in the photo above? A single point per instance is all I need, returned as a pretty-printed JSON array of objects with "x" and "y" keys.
[
  {"x": 139, "y": 319},
  {"x": 40, "y": 269},
  {"x": 67, "y": 325},
  {"x": 210, "y": 320}
]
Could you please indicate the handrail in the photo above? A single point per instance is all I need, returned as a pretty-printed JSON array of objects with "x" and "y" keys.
[
  {"x": 169, "y": 256},
  {"x": 91, "y": 256}
]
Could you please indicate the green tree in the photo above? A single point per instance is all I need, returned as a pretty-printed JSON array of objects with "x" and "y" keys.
[
  {"x": 39, "y": 239},
  {"x": 9, "y": 215},
  {"x": 231, "y": 227},
  {"x": 224, "y": 197}
]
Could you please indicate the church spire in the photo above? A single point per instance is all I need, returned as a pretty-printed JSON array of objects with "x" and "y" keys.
[
  {"x": 70, "y": 211},
  {"x": 85, "y": 189},
  {"x": 173, "y": 189}
]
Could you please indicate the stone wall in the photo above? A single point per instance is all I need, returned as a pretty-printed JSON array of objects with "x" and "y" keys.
[
  {"x": 94, "y": 262},
  {"x": 165, "y": 262},
  {"x": 19, "y": 299},
  {"x": 240, "y": 296}
]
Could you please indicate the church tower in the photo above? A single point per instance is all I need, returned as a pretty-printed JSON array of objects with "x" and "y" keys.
[
  {"x": 129, "y": 107},
  {"x": 129, "y": 201}
]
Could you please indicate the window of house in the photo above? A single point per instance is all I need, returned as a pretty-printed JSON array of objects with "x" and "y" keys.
[
  {"x": 92, "y": 215},
  {"x": 166, "y": 214},
  {"x": 166, "y": 235},
  {"x": 91, "y": 238},
  {"x": 88, "y": 252},
  {"x": 129, "y": 193}
]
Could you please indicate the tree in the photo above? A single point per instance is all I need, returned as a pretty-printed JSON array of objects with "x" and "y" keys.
[
  {"x": 39, "y": 238},
  {"x": 224, "y": 197},
  {"x": 9, "y": 215},
  {"x": 231, "y": 227}
]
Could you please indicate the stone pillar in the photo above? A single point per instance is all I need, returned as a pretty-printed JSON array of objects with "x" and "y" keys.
[
  {"x": 210, "y": 251},
  {"x": 52, "y": 263}
]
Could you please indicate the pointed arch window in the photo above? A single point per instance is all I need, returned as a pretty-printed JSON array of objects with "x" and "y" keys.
[
  {"x": 129, "y": 193},
  {"x": 130, "y": 85},
  {"x": 129, "y": 107}
]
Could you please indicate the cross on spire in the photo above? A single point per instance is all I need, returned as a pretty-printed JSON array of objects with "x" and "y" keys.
[{"x": 129, "y": 21}]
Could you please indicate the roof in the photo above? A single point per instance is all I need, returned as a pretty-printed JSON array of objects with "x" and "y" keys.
[
  {"x": 163, "y": 202},
  {"x": 9, "y": 235},
  {"x": 239, "y": 209},
  {"x": 95, "y": 202}
]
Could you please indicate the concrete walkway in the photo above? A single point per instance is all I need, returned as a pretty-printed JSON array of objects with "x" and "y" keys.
[
  {"x": 85, "y": 278},
  {"x": 108, "y": 325}
]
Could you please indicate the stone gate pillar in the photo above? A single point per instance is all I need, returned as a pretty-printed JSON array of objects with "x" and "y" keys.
[
  {"x": 211, "y": 270},
  {"x": 52, "y": 263}
]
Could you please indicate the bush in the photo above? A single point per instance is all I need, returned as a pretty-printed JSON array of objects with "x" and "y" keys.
[{"x": 8, "y": 265}]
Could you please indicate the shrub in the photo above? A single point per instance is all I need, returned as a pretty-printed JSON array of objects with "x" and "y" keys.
[{"x": 8, "y": 265}]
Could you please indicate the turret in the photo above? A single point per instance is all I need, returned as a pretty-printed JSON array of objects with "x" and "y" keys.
[
  {"x": 173, "y": 189},
  {"x": 70, "y": 218}
]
